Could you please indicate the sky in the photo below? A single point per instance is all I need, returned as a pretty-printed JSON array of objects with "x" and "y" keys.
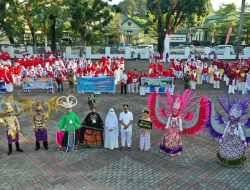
[{"x": 215, "y": 3}]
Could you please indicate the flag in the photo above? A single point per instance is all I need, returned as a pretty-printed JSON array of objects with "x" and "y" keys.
[{"x": 229, "y": 33}]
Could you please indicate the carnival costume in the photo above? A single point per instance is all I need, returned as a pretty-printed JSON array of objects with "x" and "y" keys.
[
  {"x": 8, "y": 119},
  {"x": 176, "y": 118},
  {"x": 67, "y": 134},
  {"x": 92, "y": 127},
  {"x": 234, "y": 132}
]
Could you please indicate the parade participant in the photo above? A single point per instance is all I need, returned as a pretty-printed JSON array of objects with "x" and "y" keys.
[
  {"x": 217, "y": 77},
  {"x": 193, "y": 81},
  {"x": 67, "y": 134},
  {"x": 145, "y": 143},
  {"x": 92, "y": 129},
  {"x": 205, "y": 74},
  {"x": 13, "y": 129},
  {"x": 231, "y": 80},
  {"x": 170, "y": 119},
  {"x": 71, "y": 79},
  {"x": 123, "y": 82},
  {"x": 211, "y": 74},
  {"x": 59, "y": 82},
  {"x": 111, "y": 130},
  {"x": 40, "y": 128},
  {"x": 8, "y": 79},
  {"x": 152, "y": 67},
  {"x": 243, "y": 78},
  {"x": 135, "y": 84},
  {"x": 126, "y": 119},
  {"x": 199, "y": 73},
  {"x": 129, "y": 81},
  {"x": 187, "y": 80},
  {"x": 233, "y": 133}
]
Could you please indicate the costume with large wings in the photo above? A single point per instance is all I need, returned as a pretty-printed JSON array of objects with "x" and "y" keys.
[
  {"x": 232, "y": 128},
  {"x": 193, "y": 121}
]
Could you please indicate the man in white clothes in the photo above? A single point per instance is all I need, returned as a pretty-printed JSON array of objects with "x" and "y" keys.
[{"x": 126, "y": 119}]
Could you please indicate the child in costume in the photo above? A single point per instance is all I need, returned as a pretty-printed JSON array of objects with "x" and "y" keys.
[
  {"x": 170, "y": 119},
  {"x": 234, "y": 132},
  {"x": 13, "y": 128},
  {"x": 145, "y": 143},
  {"x": 40, "y": 130},
  {"x": 67, "y": 135}
]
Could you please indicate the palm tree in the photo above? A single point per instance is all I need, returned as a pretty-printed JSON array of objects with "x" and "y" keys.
[{"x": 243, "y": 5}]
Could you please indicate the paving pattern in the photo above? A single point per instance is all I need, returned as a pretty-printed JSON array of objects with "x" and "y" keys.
[{"x": 94, "y": 169}]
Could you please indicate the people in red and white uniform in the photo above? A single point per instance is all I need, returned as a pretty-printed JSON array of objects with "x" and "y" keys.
[
  {"x": 135, "y": 84},
  {"x": 217, "y": 77},
  {"x": 205, "y": 75},
  {"x": 193, "y": 80}
]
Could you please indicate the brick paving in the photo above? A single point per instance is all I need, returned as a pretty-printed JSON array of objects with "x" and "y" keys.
[{"x": 94, "y": 169}]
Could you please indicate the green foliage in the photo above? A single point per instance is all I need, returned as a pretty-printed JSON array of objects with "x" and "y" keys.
[
  {"x": 89, "y": 17},
  {"x": 177, "y": 13},
  {"x": 11, "y": 23},
  {"x": 220, "y": 26},
  {"x": 134, "y": 8}
]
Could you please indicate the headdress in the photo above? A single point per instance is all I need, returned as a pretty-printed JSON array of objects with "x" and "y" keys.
[
  {"x": 125, "y": 106},
  {"x": 91, "y": 101},
  {"x": 146, "y": 110},
  {"x": 235, "y": 108},
  {"x": 180, "y": 105},
  {"x": 9, "y": 109},
  {"x": 67, "y": 101},
  {"x": 39, "y": 107}
]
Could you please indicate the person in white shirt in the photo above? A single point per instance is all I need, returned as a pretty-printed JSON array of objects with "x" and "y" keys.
[
  {"x": 126, "y": 119},
  {"x": 123, "y": 82}
]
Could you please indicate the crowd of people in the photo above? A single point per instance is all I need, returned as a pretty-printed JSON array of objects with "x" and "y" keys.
[
  {"x": 164, "y": 114},
  {"x": 48, "y": 66}
]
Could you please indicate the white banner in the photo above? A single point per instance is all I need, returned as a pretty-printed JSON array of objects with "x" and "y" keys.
[{"x": 178, "y": 38}]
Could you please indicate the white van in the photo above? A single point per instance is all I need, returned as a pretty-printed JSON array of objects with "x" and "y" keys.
[
  {"x": 220, "y": 49},
  {"x": 150, "y": 47}
]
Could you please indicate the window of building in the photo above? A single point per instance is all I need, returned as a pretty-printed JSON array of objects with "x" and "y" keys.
[{"x": 129, "y": 23}]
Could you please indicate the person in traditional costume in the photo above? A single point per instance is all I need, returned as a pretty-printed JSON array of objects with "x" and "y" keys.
[
  {"x": 171, "y": 119},
  {"x": 233, "y": 132},
  {"x": 193, "y": 80},
  {"x": 126, "y": 120},
  {"x": 145, "y": 142},
  {"x": 92, "y": 129},
  {"x": 71, "y": 79},
  {"x": 13, "y": 129},
  {"x": 67, "y": 134},
  {"x": 39, "y": 127},
  {"x": 111, "y": 130},
  {"x": 187, "y": 80}
]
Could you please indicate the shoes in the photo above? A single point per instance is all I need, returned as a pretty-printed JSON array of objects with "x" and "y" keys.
[
  {"x": 129, "y": 149},
  {"x": 37, "y": 148},
  {"x": 19, "y": 150},
  {"x": 122, "y": 149}
]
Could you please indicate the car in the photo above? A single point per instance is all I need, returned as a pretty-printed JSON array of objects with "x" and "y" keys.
[{"x": 220, "y": 49}]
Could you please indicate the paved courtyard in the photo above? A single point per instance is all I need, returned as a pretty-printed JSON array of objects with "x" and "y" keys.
[{"x": 102, "y": 169}]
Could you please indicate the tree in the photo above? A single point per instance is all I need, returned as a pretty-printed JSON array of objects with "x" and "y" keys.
[
  {"x": 243, "y": 4},
  {"x": 177, "y": 13},
  {"x": 134, "y": 8},
  {"x": 11, "y": 23},
  {"x": 89, "y": 17}
]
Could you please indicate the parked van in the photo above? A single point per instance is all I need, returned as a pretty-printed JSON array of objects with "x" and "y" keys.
[{"x": 220, "y": 49}]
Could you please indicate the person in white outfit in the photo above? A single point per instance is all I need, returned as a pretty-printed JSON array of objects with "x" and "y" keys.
[
  {"x": 126, "y": 119},
  {"x": 111, "y": 130},
  {"x": 145, "y": 143}
]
